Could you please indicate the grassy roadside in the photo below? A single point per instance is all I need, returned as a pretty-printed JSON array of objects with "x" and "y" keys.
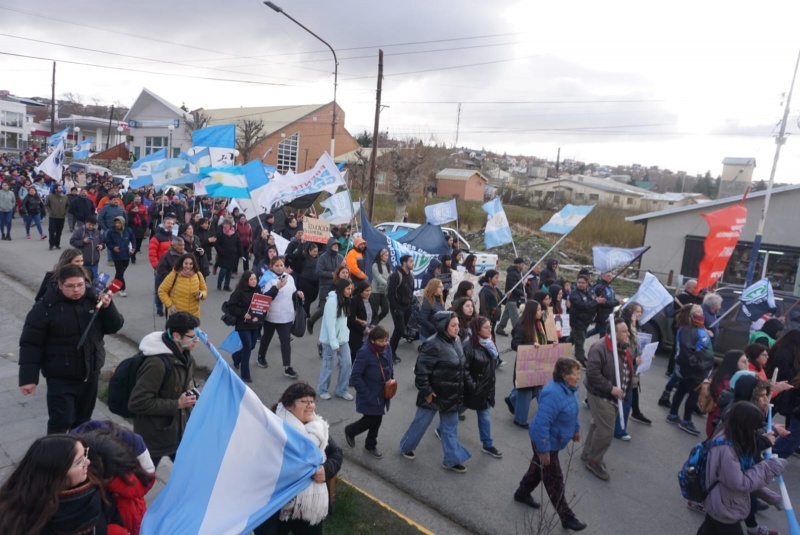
[{"x": 355, "y": 513}]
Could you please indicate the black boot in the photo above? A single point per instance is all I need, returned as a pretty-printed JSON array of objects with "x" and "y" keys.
[{"x": 664, "y": 401}]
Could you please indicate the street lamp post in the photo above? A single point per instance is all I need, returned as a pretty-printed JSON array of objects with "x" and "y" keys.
[
  {"x": 171, "y": 128},
  {"x": 120, "y": 130},
  {"x": 77, "y": 136},
  {"x": 278, "y": 9}
]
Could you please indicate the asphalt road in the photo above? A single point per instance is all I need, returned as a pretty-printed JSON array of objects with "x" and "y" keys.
[{"x": 642, "y": 496}]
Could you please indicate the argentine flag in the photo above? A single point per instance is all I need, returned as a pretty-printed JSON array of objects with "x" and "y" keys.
[
  {"x": 441, "y": 213},
  {"x": 237, "y": 465},
  {"x": 167, "y": 170},
  {"x": 142, "y": 169},
  {"x": 81, "y": 150},
  {"x": 267, "y": 276},
  {"x": 497, "y": 230},
  {"x": 197, "y": 158},
  {"x": 223, "y": 135},
  {"x": 55, "y": 138},
  {"x": 255, "y": 174},
  {"x": 608, "y": 258},
  {"x": 225, "y": 182},
  {"x": 567, "y": 219}
]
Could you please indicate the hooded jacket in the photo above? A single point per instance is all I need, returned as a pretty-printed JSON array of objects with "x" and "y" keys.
[
  {"x": 124, "y": 240},
  {"x": 154, "y": 400},
  {"x": 513, "y": 276},
  {"x": 548, "y": 273},
  {"x": 327, "y": 263},
  {"x": 429, "y": 273},
  {"x": 159, "y": 244},
  {"x": 355, "y": 261},
  {"x": 425, "y": 318},
  {"x": 334, "y": 330},
  {"x": 767, "y": 335},
  {"x": 368, "y": 380},
  {"x": 441, "y": 368},
  {"x": 107, "y": 215}
]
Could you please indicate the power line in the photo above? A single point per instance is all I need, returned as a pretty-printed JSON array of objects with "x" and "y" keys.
[
  {"x": 450, "y": 68},
  {"x": 513, "y": 102}
]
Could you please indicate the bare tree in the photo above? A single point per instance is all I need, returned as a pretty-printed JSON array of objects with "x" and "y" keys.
[
  {"x": 197, "y": 119},
  {"x": 409, "y": 169},
  {"x": 250, "y": 134},
  {"x": 358, "y": 171}
]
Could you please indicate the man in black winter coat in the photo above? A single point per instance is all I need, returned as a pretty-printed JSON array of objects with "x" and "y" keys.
[
  {"x": 511, "y": 311},
  {"x": 49, "y": 344},
  {"x": 400, "y": 292},
  {"x": 583, "y": 307}
]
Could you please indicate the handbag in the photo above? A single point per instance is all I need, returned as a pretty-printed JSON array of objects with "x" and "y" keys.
[
  {"x": 300, "y": 318},
  {"x": 705, "y": 403},
  {"x": 390, "y": 386}
]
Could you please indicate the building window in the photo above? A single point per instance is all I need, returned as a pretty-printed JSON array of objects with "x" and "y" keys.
[
  {"x": 381, "y": 178},
  {"x": 630, "y": 201},
  {"x": 287, "y": 153},
  {"x": 594, "y": 196},
  {"x": 154, "y": 143},
  {"x": 10, "y": 118},
  {"x": 579, "y": 195},
  {"x": 537, "y": 193},
  {"x": 10, "y": 140},
  {"x": 137, "y": 153},
  {"x": 616, "y": 199}
]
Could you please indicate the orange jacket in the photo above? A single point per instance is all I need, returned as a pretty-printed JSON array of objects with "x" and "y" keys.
[{"x": 354, "y": 261}]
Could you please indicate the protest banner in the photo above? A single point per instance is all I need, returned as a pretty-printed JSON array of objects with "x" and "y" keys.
[
  {"x": 259, "y": 305},
  {"x": 447, "y": 280},
  {"x": 534, "y": 366},
  {"x": 550, "y": 327},
  {"x": 316, "y": 230}
]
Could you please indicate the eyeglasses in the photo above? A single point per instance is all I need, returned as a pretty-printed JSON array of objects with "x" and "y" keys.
[
  {"x": 84, "y": 459},
  {"x": 190, "y": 337},
  {"x": 307, "y": 402},
  {"x": 77, "y": 286}
]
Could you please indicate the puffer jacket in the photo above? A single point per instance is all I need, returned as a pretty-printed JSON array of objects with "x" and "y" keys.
[
  {"x": 334, "y": 326},
  {"x": 158, "y": 246},
  {"x": 481, "y": 367},
  {"x": 355, "y": 261},
  {"x": 556, "y": 420},
  {"x": 368, "y": 380},
  {"x": 239, "y": 304},
  {"x": 327, "y": 263},
  {"x": 425, "y": 318},
  {"x": 729, "y": 501},
  {"x": 181, "y": 292},
  {"x": 441, "y": 368},
  {"x": 695, "y": 353},
  {"x": 167, "y": 263},
  {"x": 154, "y": 401},
  {"x": 49, "y": 338}
]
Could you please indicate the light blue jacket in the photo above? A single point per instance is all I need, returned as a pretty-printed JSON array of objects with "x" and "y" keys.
[
  {"x": 556, "y": 420},
  {"x": 334, "y": 328}
]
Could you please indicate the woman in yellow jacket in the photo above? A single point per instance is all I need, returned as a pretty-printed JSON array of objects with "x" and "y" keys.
[{"x": 184, "y": 287}]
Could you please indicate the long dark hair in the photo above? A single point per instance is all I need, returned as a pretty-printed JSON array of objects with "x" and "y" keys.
[
  {"x": 554, "y": 290},
  {"x": 380, "y": 262},
  {"x": 475, "y": 328},
  {"x": 458, "y": 308},
  {"x": 726, "y": 369},
  {"x": 753, "y": 351},
  {"x": 790, "y": 343},
  {"x": 111, "y": 457},
  {"x": 741, "y": 425},
  {"x": 243, "y": 283},
  {"x": 462, "y": 289},
  {"x": 342, "y": 302},
  {"x": 532, "y": 329},
  {"x": 179, "y": 263},
  {"x": 29, "y": 497},
  {"x": 469, "y": 263}
]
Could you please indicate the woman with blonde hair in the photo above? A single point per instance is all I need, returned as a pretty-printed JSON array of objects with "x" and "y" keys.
[{"x": 432, "y": 302}]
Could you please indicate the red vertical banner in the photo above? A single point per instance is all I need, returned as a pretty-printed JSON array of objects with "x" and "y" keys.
[{"x": 724, "y": 229}]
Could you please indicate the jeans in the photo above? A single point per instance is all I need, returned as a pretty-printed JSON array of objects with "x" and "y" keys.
[
  {"x": 602, "y": 326},
  {"x": 380, "y": 306},
  {"x": 224, "y": 276},
  {"x": 158, "y": 281},
  {"x": 329, "y": 358},
  {"x": 5, "y": 222},
  {"x": 627, "y": 403},
  {"x": 370, "y": 423},
  {"x": 400, "y": 318},
  {"x": 55, "y": 226},
  {"x": 686, "y": 386},
  {"x": 511, "y": 312},
  {"x": 521, "y": 399},
  {"x": 35, "y": 218},
  {"x": 485, "y": 427},
  {"x": 785, "y": 446},
  {"x": 70, "y": 222},
  {"x": 284, "y": 335},
  {"x": 578, "y": 340},
  {"x": 120, "y": 266},
  {"x": 94, "y": 271},
  {"x": 673, "y": 381},
  {"x": 249, "y": 339},
  {"x": 454, "y": 453}
]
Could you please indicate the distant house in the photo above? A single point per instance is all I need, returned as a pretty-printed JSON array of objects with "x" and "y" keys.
[
  {"x": 737, "y": 174},
  {"x": 465, "y": 184}
]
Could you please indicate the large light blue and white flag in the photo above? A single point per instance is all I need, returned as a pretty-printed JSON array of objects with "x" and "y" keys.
[
  {"x": 325, "y": 176},
  {"x": 340, "y": 209},
  {"x": 142, "y": 169},
  {"x": 608, "y": 258},
  {"x": 232, "y": 343},
  {"x": 497, "y": 230},
  {"x": 441, "y": 213},
  {"x": 225, "y": 182},
  {"x": 758, "y": 299},
  {"x": 567, "y": 219},
  {"x": 56, "y": 137},
  {"x": 266, "y": 277},
  {"x": 81, "y": 150},
  {"x": 255, "y": 174},
  {"x": 51, "y": 166},
  {"x": 167, "y": 171},
  {"x": 652, "y": 296},
  {"x": 237, "y": 464},
  {"x": 197, "y": 158},
  {"x": 222, "y": 135}
]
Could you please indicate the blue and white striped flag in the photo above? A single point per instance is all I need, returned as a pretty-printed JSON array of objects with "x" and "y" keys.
[
  {"x": 55, "y": 138},
  {"x": 441, "y": 213},
  {"x": 497, "y": 230},
  {"x": 255, "y": 174},
  {"x": 142, "y": 169},
  {"x": 567, "y": 219},
  {"x": 225, "y": 182},
  {"x": 608, "y": 258},
  {"x": 266, "y": 277},
  {"x": 221, "y": 135},
  {"x": 232, "y": 343},
  {"x": 197, "y": 158},
  {"x": 237, "y": 465},
  {"x": 167, "y": 170},
  {"x": 81, "y": 150}
]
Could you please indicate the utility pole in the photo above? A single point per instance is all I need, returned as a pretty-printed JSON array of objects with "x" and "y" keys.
[
  {"x": 53, "y": 103},
  {"x": 108, "y": 134},
  {"x": 458, "y": 125},
  {"x": 558, "y": 160},
  {"x": 779, "y": 141},
  {"x": 373, "y": 158}
]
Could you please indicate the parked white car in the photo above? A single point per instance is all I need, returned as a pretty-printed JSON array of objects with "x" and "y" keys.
[{"x": 484, "y": 260}]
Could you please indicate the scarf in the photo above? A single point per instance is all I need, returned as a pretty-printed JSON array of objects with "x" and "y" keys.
[
  {"x": 488, "y": 345},
  {"x": 312, "y": 503},
  {"x": 79, "y": 511},
  {"x": 698, "y": 320}
]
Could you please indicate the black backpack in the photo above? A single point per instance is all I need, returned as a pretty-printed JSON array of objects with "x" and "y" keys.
[
  {"x": 227, "y": 318},
  {"x": 124, "y": 379}
]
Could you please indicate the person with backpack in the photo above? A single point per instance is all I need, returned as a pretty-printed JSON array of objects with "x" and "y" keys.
[
  {"x": 247, "y": 325},
  {"x": 162, "y": 398},
  {"x": 401, "y": 294},
  {"x": 733, "y": 470},
  {"x": 184, "y": 287}
]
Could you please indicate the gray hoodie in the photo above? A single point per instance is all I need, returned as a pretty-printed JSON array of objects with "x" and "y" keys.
[{"x": 7, "y": 201}]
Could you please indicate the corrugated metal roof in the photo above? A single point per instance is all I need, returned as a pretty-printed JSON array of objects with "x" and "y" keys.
[
  {"x": 366, "y": 153},
  {"x": 709, "y": 204},
  {"x": 458, "y": 174},
  {"x": 739, "y": 161},
  {"x": 274, "y": 117}
]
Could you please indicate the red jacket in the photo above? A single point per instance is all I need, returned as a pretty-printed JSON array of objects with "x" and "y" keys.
[
  {"x": 128, "y": 496},
  {"x": 159, "y": 245}
]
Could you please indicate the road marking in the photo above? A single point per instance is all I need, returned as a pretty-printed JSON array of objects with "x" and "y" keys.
[{"x": 386, "y": 506}]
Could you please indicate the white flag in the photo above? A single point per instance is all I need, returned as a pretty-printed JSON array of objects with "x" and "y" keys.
[
  {"x": 325, "y": 176},
  {"x": 652, "y": 296},
  {"x": 339, "y": 208},
  {"x": 441, "y": 213},
  {"x": 52, "y": 164}
]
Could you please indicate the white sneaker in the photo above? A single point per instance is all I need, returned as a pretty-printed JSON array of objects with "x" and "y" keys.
[
  {"x": 325, "y": 395},
  {"x": 123, "y": 294},
  {"x": 347, "y": 395}
]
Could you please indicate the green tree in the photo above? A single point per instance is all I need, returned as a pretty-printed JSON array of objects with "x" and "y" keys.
[
  {"x": 759, "y": 186},
  {"x": 364, "y": 139}
]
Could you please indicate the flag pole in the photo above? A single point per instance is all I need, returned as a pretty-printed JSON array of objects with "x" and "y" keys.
[
  {"x": 637, "y": 257},
  {"x": 613, "y": 333},
  {"x": 534, "y": 266},
  {"x": 734, "y": 307}
]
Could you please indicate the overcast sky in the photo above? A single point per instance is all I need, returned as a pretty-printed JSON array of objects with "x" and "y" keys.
[{"x": 680, "y": 84}]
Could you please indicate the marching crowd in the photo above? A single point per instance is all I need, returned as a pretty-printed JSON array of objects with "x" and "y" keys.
[{"x": 88, "y": 475}]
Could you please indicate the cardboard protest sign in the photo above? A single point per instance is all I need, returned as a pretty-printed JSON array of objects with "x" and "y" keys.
[
  {"x": 550, "y": 327},
  {"x": 316, "y": 230},
  {"x": 534, "y": 366}
]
